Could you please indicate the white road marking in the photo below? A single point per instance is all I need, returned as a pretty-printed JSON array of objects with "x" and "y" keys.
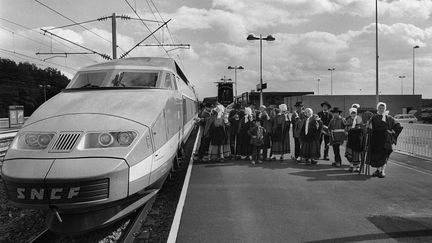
[
  {"x": 411, "y": 168},
  {"x": 177, "y": 217}
]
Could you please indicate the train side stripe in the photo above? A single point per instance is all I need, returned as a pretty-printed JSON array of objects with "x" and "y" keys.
[{"x": 142, "y": 168}]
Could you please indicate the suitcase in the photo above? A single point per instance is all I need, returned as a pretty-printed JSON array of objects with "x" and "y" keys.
[{"x": 338, "y": 135}]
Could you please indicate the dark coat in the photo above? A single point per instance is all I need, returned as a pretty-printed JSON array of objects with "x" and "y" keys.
[
  {"x": 296, "y": 121},
  {"x": 325, "y": 117},
  {"x": 314, "y": 129}
]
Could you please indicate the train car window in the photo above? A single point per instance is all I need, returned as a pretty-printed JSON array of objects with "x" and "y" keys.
[
  {"x": 168, "y": 81},
  {"x": 88, "y": 79},
  {"x": 174, "y": 82},
  {"x": 136, "y": 79}
]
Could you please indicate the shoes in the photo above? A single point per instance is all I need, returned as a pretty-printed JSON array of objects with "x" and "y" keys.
[
  {"x": 357, "y": 169},
  {"x": 326, "y": 158},
  {"x": 376, "y": 173},
  {"x": 260, "y": 162},
  {"x": 381, "y": 175},
  {"x": 281, "y": 158},
  {"x": 333, "y": 164},
  {"x": 274, "y": 158},
  {"x": 351, "y": 169},
  {"x": 253, "y": 162},
  {"x": 313, "y": 162}
]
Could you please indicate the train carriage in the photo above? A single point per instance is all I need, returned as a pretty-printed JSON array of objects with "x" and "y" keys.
[{"x": 93, "y": 152}]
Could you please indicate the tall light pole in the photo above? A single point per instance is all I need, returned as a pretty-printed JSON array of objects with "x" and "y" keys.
[
  {"x": 260, "y": 38},
  {"x": 414, "y": 47},
  {"x": 318, "y": 81},
  {"x": 331, "y": 80},
  {"x": 401, "y": 78},
  {"x": 235, "y": 77},
  {"x": 376, "y": 53}
]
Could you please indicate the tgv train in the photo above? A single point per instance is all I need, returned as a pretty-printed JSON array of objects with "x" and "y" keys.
[{"x": 94, "y": 152}]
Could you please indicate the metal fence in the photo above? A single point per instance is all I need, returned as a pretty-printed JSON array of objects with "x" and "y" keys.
[{"x": 415, "y": 139}]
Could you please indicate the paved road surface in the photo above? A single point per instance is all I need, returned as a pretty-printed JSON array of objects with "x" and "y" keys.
[{"x": 286, "y": 202}]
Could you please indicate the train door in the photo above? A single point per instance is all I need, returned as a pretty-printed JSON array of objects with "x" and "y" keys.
[{"x": 159, "y": 135}]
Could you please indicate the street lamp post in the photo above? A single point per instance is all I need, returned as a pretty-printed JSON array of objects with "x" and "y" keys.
[
  {"x": 414, "y": 47},
  {"x": 401, "y": 78},
  {"x": 331, "y": 80},
  {"x": 376, "y": 54},
  {"x": 260, "y": 38},
  {"x": 235, "y": 77},
  {"x": 318, "y": 81}
]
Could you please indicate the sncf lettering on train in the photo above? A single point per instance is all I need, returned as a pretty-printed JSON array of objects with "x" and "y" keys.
[{"x": 50, "y": 193}]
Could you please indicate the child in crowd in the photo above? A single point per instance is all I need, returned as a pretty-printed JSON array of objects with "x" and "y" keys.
[
  {"x": 337, "y": 134},
  {"x": 256, "y": 133}
]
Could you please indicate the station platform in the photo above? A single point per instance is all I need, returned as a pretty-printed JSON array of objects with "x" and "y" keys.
[{"x": 289, "y": 202}]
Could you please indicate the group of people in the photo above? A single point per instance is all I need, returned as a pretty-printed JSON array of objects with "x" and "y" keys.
[{"x": 264, "y": 134}]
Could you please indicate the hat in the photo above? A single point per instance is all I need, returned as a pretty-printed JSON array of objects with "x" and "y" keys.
[
  {"x": 208, "y": 105},
  {"x": 298, "y": 103},
  {"x": 283, "y": 107},
  {"x": 326, "y": 103},
  {"x": 351, "y": 110},
  {"x": 336, "y": 110},
  {"x": 355, "y": 106}
]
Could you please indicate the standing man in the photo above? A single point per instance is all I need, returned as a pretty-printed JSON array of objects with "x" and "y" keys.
[
  {"x": 326, "y": 117},
  {"x": 296, "y": 119},
  {"x": 234, "y": 120},
  {"x": 204, "y": 118}
]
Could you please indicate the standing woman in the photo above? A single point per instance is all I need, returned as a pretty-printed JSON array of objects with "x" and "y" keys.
[
  {"x": 281, "y": 126},
  {"x": 218, "y": 136},
  {"x": 244, "y": 147},
  {"x": 309, "y": 137},
  {"x": 267, "y": 123},
  {"x": 297, "y": 121},
  {"x": 356, "y": 132},
  {"x": 384, "y": 131}
]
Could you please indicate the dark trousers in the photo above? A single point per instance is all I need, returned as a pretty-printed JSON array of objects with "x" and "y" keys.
[
  {"x": 296, "y": 147},
  {"x": 326, "y": 144},
  {"x": 204, "y": 146},
  {"x": 256, "y": 152},
  {"x": 336, "y": 151},
  {"x": 233, "y": 138}
]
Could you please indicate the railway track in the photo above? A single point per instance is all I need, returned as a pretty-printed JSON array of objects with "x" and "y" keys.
[{"x": 129, "y": 233}]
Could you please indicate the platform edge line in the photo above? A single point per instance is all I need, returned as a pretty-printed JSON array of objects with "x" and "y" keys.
[
  {"x": 410, "y": 168},
  {"x": 172, "y": 237}
]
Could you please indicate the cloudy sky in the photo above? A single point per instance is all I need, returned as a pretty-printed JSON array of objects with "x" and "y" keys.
[{"x": 311, "y": 36}]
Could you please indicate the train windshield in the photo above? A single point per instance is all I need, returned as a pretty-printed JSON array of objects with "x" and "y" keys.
[{"x": 116, "y": 79}]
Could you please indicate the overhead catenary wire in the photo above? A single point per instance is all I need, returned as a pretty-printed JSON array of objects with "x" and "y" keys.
[
  {"x": 42, "y": 33},
  {"x": 25, "y": 37},
  {"x": 170, "y": 35},
  {"x": 142, "y": 21},
  {"x": 160, "y": 15},
  {"x": 139, "y": 43},
  {"x": 34, "y": 58},
  {"x": 105, "y": 56},
  {"x": 57, "y": 12}
]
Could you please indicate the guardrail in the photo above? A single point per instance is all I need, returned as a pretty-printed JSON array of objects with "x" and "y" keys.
[{"x": 415, "y": 139}]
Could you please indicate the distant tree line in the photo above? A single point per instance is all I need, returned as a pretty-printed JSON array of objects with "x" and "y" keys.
[{"x": 22, "y": 84}]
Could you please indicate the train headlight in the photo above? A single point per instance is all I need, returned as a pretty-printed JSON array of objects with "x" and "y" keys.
[
  {"x": 125, "y": 138},
  {"x": 34, "y": 140},
  {"x": 103, "y": 140}
]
